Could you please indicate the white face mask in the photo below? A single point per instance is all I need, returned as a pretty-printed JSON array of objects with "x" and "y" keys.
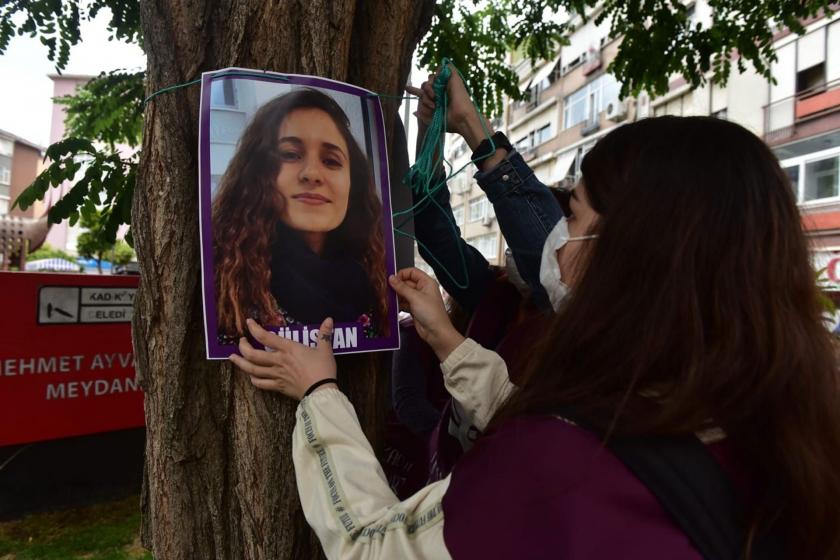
[{"x": 550, "y": 267}]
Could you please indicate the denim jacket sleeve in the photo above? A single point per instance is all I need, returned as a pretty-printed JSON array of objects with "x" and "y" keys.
[
  {"x": 527, "y": 212},
  {"x": 441, "y": 246}
]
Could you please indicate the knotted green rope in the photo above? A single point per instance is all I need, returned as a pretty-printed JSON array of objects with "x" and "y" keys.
[{"x": 422, "y": 176}]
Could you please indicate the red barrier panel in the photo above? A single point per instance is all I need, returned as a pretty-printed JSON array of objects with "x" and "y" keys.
[{"x": 66, "y": 362}]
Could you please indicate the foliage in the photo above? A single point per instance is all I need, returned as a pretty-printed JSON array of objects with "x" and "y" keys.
[
  {"x": 57, "y": 22},
  {"x": 658, "y": 42},
  {"x": 108, "y": 109},
  {"x": 99, "y": 532},
  {"x": 825, "y": 284},
  {"x": 47, "y": 251},
  {"x": 122, "y": 253},
  {"x": 93, "y": 243},
  {"x": 659, "y": 39},
  {"x": 101, "y": 177}
]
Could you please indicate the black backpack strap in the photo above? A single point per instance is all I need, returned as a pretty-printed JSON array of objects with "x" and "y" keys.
[{"x": 693, "y": 488}]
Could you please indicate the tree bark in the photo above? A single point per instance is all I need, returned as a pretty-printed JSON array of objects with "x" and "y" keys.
[{"x": 219, "y": 480}]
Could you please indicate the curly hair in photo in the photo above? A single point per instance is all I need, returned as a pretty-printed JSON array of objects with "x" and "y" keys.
[{"x": 247, "y": 206}]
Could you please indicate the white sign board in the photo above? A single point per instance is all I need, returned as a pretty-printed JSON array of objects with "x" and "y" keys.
[{"x": 73, "y": 304}]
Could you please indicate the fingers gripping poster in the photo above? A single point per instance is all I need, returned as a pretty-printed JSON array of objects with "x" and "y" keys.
[{"x": 295, "y": 211}]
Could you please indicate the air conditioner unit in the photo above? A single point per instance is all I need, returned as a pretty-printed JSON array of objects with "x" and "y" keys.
[
  {"x": 487, "y": 221},
  {"x": 616, "y": 110},
  {"x": 591, "y": 60}
]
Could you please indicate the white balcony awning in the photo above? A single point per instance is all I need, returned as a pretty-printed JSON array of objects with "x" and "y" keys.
[
  {"x": 544, "y": 72},
  {"x": 563, "y": 165}
]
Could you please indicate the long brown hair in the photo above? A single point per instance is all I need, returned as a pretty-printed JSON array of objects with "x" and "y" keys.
[
  {"x": 697, "y": 306},
  {"x": 247, "y": 206}
]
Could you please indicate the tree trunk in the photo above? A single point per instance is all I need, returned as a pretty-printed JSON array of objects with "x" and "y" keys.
[{"x": 219, "y": 481}]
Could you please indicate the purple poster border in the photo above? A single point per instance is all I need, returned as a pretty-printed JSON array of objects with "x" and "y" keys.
[{"x": 354, "y": 332}]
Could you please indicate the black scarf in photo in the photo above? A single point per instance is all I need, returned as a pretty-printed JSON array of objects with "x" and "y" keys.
[{"x": 310, "y": 287}]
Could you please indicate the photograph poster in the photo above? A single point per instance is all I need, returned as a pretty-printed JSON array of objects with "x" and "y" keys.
[{"x": 295, "y": 212}]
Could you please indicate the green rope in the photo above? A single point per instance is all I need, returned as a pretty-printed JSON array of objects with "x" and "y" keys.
[
  {"x": 231, "y": 74},
  {"x": 170, "y": 88},
  {"x": 421, "y": 176}
]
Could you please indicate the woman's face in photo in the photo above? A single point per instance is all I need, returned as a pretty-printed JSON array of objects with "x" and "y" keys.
[{"x": 314, "y": 176}]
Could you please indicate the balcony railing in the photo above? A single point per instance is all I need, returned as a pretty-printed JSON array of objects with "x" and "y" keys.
[{"x": 782, "y": 116}]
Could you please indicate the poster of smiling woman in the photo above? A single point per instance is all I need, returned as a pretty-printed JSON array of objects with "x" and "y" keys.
[{"x": 295, "y": 211}]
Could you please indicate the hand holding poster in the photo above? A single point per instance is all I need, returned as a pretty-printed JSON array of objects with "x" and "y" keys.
[{"x": 295, "y": 211}]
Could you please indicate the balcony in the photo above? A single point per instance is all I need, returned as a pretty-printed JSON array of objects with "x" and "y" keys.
[
  {"x": 792, "y": 116},
  {"x": 590, "y": 125}
]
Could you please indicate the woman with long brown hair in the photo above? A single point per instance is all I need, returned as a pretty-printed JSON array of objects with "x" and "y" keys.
[
  {"x": 692, "y": 322},
  {"x": 297, "y": 224}
]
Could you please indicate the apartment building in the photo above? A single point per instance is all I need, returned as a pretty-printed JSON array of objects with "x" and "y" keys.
[
  {"x": 62, "y": 236},
  {"x": 473, "y": 213},
  {"x": 20, "y": 163},
  {"x": 573, "y": 101},
  {"x": 802, "y": 126}
]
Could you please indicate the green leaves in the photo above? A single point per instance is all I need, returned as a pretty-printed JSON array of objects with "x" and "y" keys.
[
  {"x": 477, "y": 41},
  {"x": 103, "y": 184},
  {"x": 56, "y": 23},
  {"x": 109, "y": 109},
  {"x": 660, "y": 39}
]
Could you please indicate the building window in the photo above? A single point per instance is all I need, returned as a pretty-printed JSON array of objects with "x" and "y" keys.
[
  {"x": 587, "y": 102},
  {"x": 815, "y": 176},
  {"x": 222, "y": 93},
  {"x": 458, "y": 214},
  {"x": 460, "y": 184},
  {"x": 793, "y": 174},
  {"x": 581, "y": 153},
  {"x": 574, "y": 110},
  {"x": 822, "y": 178},
  {"x": 4, "y": 206},
  {"x": 542, "y": 134},
  {"x": 534, "y": 138},
  {"x": 487, "y": 245},
  {"x": 7, "y": 147},
  {"x": 810, "y": 78},
  {"x": 479, "y": 208},
  {"x": 5, "y": 176}
]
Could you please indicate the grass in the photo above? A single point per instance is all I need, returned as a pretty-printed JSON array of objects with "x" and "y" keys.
[{"x": 100, "y": 532}]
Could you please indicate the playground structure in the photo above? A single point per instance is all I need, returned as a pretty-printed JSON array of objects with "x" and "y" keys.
[{"x": 19, "y": 237}]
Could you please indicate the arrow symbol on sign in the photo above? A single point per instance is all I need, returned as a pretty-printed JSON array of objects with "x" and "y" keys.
[{"x": 58, "y": 310}]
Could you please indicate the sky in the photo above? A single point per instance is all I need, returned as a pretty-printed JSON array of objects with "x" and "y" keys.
[{"x": 26, "y": 91}]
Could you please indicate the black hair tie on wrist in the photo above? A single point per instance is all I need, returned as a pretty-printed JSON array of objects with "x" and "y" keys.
[{"x": 318, "y": 384}]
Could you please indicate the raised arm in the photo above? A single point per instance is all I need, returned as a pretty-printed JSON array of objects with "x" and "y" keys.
[{"x": 525, "y": 208}]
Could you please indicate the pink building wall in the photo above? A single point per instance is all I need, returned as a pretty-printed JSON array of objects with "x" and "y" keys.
[{"x": 62, "y": 236}]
